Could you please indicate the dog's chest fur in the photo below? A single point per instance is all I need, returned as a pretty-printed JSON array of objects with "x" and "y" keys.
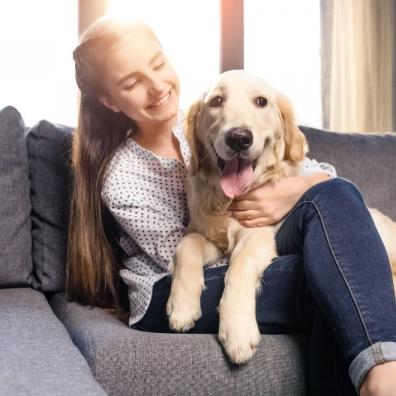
[
  {"x": 208, "y": 208},
  {"x": 208, "y": 214}
]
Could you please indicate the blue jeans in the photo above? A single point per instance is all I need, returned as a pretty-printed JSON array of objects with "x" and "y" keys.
[{"x": 332, "y": 280}]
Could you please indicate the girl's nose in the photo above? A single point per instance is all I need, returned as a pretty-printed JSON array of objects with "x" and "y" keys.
[{"x": 156, "y": 85}]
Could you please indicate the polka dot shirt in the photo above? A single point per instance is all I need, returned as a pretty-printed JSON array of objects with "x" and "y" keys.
[{"x": 147, "y": 196}]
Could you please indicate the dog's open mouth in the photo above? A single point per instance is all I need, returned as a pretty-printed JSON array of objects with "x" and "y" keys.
[
  {"x": 236, "y": 175},
  {"x": 221, "y": 163}
]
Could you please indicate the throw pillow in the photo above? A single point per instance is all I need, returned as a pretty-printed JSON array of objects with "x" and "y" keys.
[
  {"x": 16, "y": 269},
  {"x": 48, "y": 147}
]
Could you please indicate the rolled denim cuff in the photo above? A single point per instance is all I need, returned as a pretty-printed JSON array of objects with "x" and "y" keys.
[{"x": 377, "y": 353}]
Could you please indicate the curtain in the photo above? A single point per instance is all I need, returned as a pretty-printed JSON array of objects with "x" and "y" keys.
[{"x": 358, "y": 72}]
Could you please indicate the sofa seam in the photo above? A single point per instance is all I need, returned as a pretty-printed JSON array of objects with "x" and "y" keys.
[{"x": 91, "y": 347}]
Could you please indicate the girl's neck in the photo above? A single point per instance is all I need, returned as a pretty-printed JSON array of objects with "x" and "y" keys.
[
  {"x": 159, "y": 139},
  {"x": 155, "y": 135}
]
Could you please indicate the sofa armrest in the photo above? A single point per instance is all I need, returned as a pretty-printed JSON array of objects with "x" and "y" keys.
[{"x": 37, "y": 355}]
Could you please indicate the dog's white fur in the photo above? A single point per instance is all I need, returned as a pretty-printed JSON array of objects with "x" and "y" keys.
[{"x": 280, "y": 147}]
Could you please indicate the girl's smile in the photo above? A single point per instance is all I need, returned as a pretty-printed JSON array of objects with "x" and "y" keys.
[{"x": 163, "y": 101}]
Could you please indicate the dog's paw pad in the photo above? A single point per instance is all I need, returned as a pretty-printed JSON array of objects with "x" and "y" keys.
[
  {"x": 240, "y": 343},
  {"x": 181, "y": 316}
]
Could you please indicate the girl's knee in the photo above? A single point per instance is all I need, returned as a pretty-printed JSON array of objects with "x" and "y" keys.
[
  {"x": 340, "y": 182},
  {"x": 337, "y": 188}
]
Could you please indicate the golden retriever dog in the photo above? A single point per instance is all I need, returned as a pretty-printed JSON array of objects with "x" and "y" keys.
[{"x": 242, "y": 133}]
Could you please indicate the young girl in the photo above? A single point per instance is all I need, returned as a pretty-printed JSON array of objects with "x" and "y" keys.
[{"x": 129, "y": 162}]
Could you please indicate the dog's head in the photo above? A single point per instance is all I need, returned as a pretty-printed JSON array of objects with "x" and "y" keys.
[{"x": 240, "y": 128}]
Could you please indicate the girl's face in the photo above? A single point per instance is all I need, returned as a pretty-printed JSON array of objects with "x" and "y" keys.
[{"x": 140, "y": 82}]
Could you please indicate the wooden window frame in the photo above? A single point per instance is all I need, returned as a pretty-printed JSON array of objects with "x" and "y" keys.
[
  {"x": 88, "y": 11},
  {"x": 231, "y": 35},
  {"x": 231, "y": 28}
]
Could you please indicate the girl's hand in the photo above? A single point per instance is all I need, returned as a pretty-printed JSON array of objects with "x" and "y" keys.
[{"x": 268, "y": 203}]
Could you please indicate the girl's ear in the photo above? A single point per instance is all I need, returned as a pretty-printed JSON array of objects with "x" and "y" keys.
[
  {"x": 296, "y": 145},
  {"x": 191, "y": 130},
  {"x": 109, "y": 103}
]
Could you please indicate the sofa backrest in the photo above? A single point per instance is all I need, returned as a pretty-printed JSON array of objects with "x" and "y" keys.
[
  {"x": 369, "y": 161},
  {"x": 35, "y": 185},
  {"x": 16, "y": 267}
]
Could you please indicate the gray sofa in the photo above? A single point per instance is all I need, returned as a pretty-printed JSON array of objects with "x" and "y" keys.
[{"x": 51, "y": 347}]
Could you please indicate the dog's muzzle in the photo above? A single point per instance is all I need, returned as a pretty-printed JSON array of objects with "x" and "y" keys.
[
  {"x": 239, "y": 139},
  {"x": 221, "y": 162}
]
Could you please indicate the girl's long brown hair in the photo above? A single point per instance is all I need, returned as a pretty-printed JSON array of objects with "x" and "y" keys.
[{"x": 93, "y": 255}]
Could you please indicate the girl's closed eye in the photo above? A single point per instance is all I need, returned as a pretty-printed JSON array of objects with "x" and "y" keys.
[
  {"x": 160, "y": 66},
  {"x": 132, "y": 85}
]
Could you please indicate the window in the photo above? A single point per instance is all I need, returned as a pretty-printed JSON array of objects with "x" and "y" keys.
[
  {"x": 37, "y": 39},
  {"x": 189, "y": 31},
  {"x": 282, "y": 45}
]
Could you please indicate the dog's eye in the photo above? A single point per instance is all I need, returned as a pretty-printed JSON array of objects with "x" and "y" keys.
[
  {"x": 216, "y": 101},
  {"x": 261, "y": 102}
]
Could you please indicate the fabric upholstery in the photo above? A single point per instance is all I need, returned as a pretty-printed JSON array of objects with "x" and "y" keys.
[
  {"x": 16, "y": 267},
  {"x": 37, "y": 355},
  {"x": 48, "y": 147},
  {"x": 39, "y": 358},
  {"x": 127, "y": 361},
  {"x": 369, "y": 161}
]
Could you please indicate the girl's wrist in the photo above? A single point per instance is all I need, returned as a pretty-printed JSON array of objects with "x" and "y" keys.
[
  {"x": 315, "y": 178},
  {"x": 308, "y": 181}
]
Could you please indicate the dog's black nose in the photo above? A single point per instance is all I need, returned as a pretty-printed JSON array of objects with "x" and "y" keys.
[{"x": 239, "y": 139}]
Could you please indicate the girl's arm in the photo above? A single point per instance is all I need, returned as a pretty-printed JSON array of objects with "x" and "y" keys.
[
  {"x": 268, "y": 203},
  {"x": 153, "y": 233}
]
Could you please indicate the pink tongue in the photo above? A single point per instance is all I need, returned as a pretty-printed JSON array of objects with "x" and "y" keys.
[{"x": 236, "y": 175}]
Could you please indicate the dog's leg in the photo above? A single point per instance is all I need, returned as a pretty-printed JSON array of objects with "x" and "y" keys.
[
  {"x": 184, "y": 303},
  {"x": 238, "y": 329}
]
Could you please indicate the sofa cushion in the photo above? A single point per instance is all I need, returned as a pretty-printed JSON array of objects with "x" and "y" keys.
[
  {"x": 369, "y": 161},
  {"x": 37, "y": 355},
  {"x": 48, "y": 147},
  {"x": 129, "y": 361},
  {"x": 16, "y": 267}
]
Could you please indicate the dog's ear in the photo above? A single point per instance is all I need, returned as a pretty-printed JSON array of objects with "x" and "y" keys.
[
  {"x": 191, "y": 124},
  {"x": 296, "y": 145}
]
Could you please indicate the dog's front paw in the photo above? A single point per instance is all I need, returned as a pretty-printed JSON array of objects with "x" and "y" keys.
[
  {"x": 183, "y": 312},
  {"x": 239, "y": 334}
]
